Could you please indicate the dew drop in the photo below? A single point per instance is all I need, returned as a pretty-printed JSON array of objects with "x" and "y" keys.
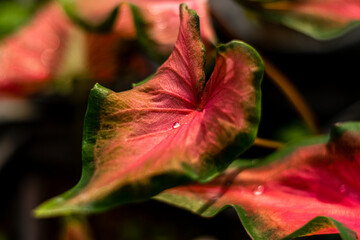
[
  {"x": 259, "y": 190},
  {"x": 342, "y": 188},
  {"x": 175, "y": 125}
]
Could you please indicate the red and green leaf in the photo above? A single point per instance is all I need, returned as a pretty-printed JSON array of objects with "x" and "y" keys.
[
  {"x": 307, "y": 188},
  {"x": 52, "y": 48},
  {"x": 155, "y": 21},
  {"x": 169, "y": 130},
  {"x": 30, "y": 57},
  {"x": 321, "y": 19}
]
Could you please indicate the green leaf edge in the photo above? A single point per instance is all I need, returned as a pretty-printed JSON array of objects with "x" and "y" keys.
[
  {"x": 295, "y": 23},
  {"x": 91, "y": 125},
  {"x": 105, "y": 26},
  {"x": 340, "y": 128},
  {"x": 311, "y": 227},
  {"x": 309, "y": 29},
  {"x": 23, "y": 12},
  {"x": 142, "y": 35},
  {"x": 136, "y": 192},
  {"x": 212, "y": 211}
]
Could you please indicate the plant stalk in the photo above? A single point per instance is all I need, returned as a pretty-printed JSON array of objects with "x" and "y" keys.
[
  {"x": 261, "y": 142},
  {"x": 281, "y": 81}
]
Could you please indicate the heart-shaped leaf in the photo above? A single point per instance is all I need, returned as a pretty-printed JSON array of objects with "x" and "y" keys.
[
  {"x": 277, "y": 197},
  {"x": 320, "y": 19},
  {"x": 169, "y": 130}
]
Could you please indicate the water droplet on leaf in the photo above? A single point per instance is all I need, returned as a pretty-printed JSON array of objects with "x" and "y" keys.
[
  {"x": 259, "y": 190},
  {"x": 176, "y": 125}
]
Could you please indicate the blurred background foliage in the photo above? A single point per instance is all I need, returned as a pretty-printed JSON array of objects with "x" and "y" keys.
[
  {"x": 13, "y": 14},
  {"x": 40, "y": 137}
]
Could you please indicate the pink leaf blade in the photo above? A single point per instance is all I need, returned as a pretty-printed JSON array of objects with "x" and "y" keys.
[
  {"x": 27, "y": 68},
  {"x": 319, "y": 19},
  {"x": 49, "y": 50},
  {"x": 157, "y": 19},
  {"x": 157, "y": 135},
  {"x": 277, "y": 198},
  {"x": 30, "y": 57}
]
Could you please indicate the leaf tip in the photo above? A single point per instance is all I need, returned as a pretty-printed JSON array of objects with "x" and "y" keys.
[
  {"x": 49, "y": 208},
  {"x": 342, "y": 127}
]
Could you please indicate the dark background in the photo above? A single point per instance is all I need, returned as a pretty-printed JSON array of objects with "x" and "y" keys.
[{"x": 40, "y": 138}]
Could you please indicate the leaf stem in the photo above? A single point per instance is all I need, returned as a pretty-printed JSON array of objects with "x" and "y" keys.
[
  {"x": 291, "y": 93},
  {"x": 261, "y": 142},
  {"x": 278, "y": 78}
]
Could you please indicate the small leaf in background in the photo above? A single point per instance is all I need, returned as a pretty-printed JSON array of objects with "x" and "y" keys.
[
  {"x": 307, "y": 188},
  {"x": 51, "y": 47},
  {"x": 29, "y": 57},
  {"x": 51, "y": 50},
  {"x": 156, "y": 20},
  {"x": 169, "y": 130},
  {"x": 320, "y": 19}
]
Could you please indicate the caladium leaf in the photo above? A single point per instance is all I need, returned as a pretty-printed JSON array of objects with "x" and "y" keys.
[
  {"x": 153, "y": 21},
  {"x": 26, "y": 65},
  {"x": 105, "y": 26},
  {"x": 307, "y": 188},
  {"x": 320, "y": 19},
  {"x": 51, "y": 48},
  {"x": 169, "y": 130},
  {"x": 61, "y": 51}
]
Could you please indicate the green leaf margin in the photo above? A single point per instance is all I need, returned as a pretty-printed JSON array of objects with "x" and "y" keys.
[
  {"x": 139, "y": 191},
  {"x": 310, "y": 25},
  {"x": 104, "y": 27},
  {"x": 14, "y": 15},
  {"x": 107, "y": 25},
  {"x": 311, "y": 228}
]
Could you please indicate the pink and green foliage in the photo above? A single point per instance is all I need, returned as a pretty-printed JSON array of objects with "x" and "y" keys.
[
  {"x": 24, "y": 64},
  {"x": 307, "y": 188},
  {"x": 169, "y": 130},
  {"x": 321, "y": 19},
  {"x": 52, "y": 49},
  {"x": 158, "y": 17}
]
